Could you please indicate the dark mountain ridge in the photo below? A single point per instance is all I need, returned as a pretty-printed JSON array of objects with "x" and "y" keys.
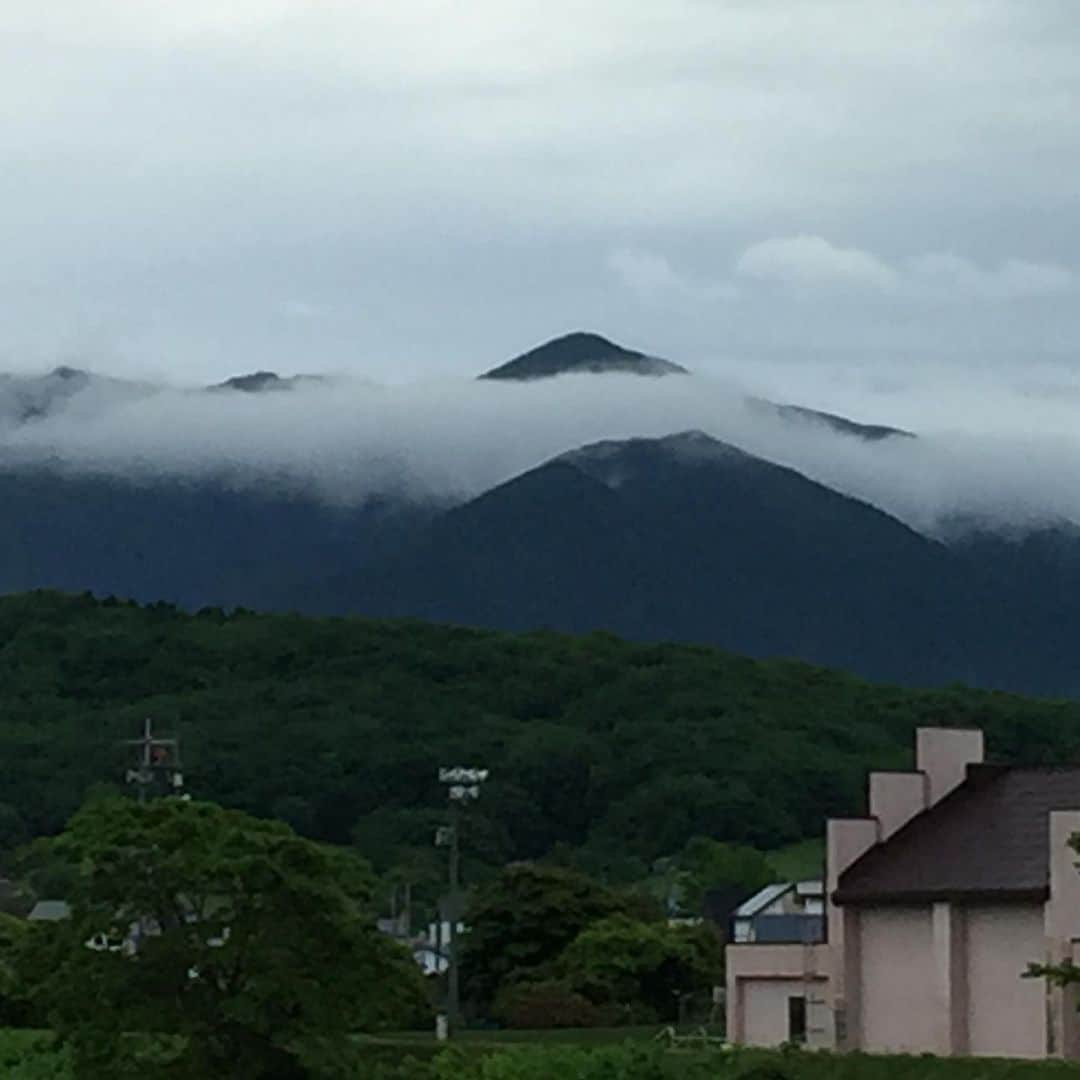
[
  {"x": 841, "y": 425},
  {"x": 686, "y": 538},
  {"x": 200, "y": 543},
  {"x": 581, "y": 352}
]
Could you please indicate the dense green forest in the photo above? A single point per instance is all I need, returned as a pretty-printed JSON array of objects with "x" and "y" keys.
[{"x": 603, "y": 754}]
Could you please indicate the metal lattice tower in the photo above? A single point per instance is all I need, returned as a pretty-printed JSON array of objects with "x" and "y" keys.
[{"x": 157, "y": 767}]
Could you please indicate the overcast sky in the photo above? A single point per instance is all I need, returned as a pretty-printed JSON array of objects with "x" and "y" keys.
[{"x": 410, "y": 188}]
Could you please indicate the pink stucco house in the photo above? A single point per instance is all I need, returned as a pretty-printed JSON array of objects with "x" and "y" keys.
[{"x": 936, "y": 902}]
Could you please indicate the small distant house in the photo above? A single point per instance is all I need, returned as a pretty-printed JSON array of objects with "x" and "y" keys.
[
  {"x": 50, "y": 911},
  {"x": 430, "y": 949},
  {"x": 788, "y": 912},
  {"x": 58, "y": 910},
  {"x": 936, "y": 902}
]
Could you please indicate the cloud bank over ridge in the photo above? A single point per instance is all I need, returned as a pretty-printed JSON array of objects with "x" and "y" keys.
[{"x": 978, "y": 453}]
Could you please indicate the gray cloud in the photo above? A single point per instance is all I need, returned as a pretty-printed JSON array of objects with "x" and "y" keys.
[
  {"x": 811, "y": 261},
  {"x": 407, "y": 188}
]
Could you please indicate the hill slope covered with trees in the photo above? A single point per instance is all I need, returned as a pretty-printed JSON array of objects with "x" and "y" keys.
[{"x": 619, "y": 750}]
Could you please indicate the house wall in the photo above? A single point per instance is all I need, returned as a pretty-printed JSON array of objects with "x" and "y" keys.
[
  {"x": 765, "y": 1002},
  {"x": 1006, "y": 1015},
  {"x": 896, "y": 972},
  {"x": 761, "y": 978},
  {"x": 943, "y": 978},
  {"x": 947, "y": 979}
]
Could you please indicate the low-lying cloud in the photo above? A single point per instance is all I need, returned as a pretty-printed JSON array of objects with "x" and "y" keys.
[
  {"x": 812, "y": 260},
  {"x": 989, "y": 447},
  {"x": 814, "y": 264}
]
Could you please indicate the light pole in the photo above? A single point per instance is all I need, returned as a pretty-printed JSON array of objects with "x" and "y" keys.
[{"x": 463, "y": 785}]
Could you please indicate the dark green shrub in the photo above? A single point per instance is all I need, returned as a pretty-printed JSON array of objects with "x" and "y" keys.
[{"x": 547, "y": 1004}]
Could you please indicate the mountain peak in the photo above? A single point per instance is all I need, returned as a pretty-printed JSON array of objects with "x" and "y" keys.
[
  {"x": 254, "y": 382},
  {"x": 581, "y": 351},
  {"x": 65, "y": 373},
  {"x": 258, "y": 382},
  {"x": 687, "y": 447}
]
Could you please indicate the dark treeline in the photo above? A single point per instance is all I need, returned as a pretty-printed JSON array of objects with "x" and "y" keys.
[{"x": 601, "y": 752}]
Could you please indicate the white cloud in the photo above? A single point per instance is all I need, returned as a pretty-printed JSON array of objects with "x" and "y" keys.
[
  {"x": 652, "y": 278},
  {"x": 812, "y": 260},
  {"x": 987, "y": 446},
  {"x": 644, "y": 272},
  {"x": 947, "y": 275}
]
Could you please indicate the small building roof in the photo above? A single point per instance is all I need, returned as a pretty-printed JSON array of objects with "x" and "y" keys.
[
  {"x": 987, "y": 838},
  {"x": 50, "y": 911},
  {"x": 762, "y": 899}
]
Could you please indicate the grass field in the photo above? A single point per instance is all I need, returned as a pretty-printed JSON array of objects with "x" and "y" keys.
[
  {"x": 636, "y": 1054},
  {"x": 31, "y": 1055},
  {"x": 589, "y": 1054},
  {"x": 494, "y": 1040},
  {"x": 802, "y": 861}
]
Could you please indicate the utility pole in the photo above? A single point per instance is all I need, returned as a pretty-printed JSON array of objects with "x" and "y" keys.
[
  {"x": 157, "y": 763},
  {"x": 463, "y": 786},
  {"x": 453, "y": 975}
]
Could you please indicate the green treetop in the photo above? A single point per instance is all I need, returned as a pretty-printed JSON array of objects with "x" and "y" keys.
[{"x": 232, "y": 946}]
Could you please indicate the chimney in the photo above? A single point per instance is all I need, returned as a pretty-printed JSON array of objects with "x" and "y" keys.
[
  {"x": 944, "y": 754},
  {"x": 895, "y": 798}
]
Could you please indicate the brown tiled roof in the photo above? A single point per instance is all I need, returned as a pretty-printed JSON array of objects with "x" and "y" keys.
[{"x": 989, "y": 837}]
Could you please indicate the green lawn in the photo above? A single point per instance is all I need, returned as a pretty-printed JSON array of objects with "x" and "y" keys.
[
  {"x": 635, "y": 1054},
  {"x": 499, "y": 1038},
  {"x": 589, "y": 1054},
  {"x": 802, "y": 861},
  {"x": 30, "y": 1055}
]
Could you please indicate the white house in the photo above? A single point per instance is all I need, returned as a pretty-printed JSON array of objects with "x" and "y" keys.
[{"x": 790, "y": 911}]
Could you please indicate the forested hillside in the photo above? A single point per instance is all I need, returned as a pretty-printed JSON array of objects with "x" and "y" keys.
[{"x": 601, "y": 749}]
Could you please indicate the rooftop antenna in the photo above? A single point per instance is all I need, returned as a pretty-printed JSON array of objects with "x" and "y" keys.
[{"x": 157, "y": 763}]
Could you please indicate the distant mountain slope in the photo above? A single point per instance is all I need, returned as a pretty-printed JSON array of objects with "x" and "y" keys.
[
  {"x": 258, "y": 382},
  {"x": 686, "y": 538},
  {"x": 204, "y": 543},
  {"x": 581, "y": 352},
  {"x": 28, "y": 398},
  {"x": 1042, "y": 563},
  {"x": 841, "y": 425}
]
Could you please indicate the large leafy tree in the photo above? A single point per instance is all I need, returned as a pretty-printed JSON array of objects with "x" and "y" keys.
[
  {"x": 232, "y": 948},
  {"x": 523, "y": 919},
  {"x": 623, "y": 961},
  {"x": 710, "y": 864}
]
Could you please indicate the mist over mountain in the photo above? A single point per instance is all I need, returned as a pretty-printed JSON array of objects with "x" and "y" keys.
[
  {"x": 346, "y": 439},
  {"x": 569, "y": 494},
  {"x": 259, "y": 382},
  {"x": 28, "y": 398}
]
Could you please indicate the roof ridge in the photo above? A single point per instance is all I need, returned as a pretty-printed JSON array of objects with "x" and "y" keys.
[{"x": 989, "y": 834}]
